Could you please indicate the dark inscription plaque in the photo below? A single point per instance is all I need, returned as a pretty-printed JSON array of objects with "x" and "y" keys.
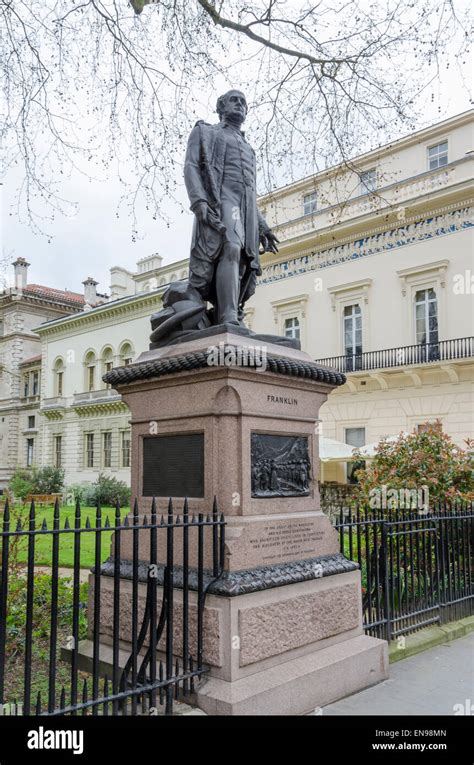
[
  {"x": 173, "y": 466},
  {"x": 280, "y": 465}
]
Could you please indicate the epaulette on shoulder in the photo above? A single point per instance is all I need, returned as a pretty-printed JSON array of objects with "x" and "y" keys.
[{"x": 202, "y": 122}]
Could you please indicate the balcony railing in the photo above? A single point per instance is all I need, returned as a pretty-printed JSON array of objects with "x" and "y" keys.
[
  {"x": 56, "y": 402},
  {"x": 408, "y": 355},
  {"x": 96, "y": 396}
]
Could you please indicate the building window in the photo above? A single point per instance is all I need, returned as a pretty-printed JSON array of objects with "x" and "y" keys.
[
  {"x": 59, "y": 372},
  {"x": 424, "y": 426},
  {"x": 35, "y": 386},
  {"x": 354, "y": 437},
  {"x": 107, "y": 449},
  {"x": 107, "y": 363},
  {"x": 352, "y": 331},
  {"x": 368, "y": 180},
  {"x": 310, "y": 203},
  {"x": 26, "y": 385},
  {"x": 30, "y": 448},
  {"x": 90, "y": 364},
  {"x": 125, "y": 449},
  {"x": 426, "y": 316},
  {"x": 31, "y": 421},
  {"x": 292, "y": 328},
  {"x": 126, "y": 354},
  {"x": 89, "y": 450},
  {"x": 438, "y": 155},
  {"x": 58, "y": 442}
]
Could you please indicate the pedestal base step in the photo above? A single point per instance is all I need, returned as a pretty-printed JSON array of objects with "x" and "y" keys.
[{"x": 300, "y": 685}]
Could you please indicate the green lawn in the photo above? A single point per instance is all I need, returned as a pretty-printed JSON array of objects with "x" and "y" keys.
[{"x": 43, "y": 546}]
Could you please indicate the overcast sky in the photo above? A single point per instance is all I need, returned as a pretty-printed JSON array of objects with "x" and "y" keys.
[{"x": 92, "y": 241}]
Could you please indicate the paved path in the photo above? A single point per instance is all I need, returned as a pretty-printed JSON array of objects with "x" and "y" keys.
[
  {"x": 68, "y": 573},
  {"x": 430, "y": 683}
]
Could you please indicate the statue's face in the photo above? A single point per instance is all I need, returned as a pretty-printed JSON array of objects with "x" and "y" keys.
[{"x": 235, "y": 106}]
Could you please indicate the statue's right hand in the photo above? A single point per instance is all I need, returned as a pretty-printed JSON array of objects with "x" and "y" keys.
[{"x": 201, "y": 212}]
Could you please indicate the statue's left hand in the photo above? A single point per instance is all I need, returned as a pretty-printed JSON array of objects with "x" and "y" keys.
[{"x": 269, "y": 241}]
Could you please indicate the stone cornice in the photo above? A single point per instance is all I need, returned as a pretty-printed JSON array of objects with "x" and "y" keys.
[
  {"x": 100, "y": 408},
  {"x": 335, "y": 241},
  {"x": 134, "y": 304},
  {"x": 33, "y": 301},
  {"x": 145, "y": 370},
  {"x": 233, "y": 583}
]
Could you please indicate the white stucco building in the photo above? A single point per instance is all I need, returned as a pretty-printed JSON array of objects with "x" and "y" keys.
[
  {"x": 23, "y": 306},
  {"x": 374, "y": 275}
]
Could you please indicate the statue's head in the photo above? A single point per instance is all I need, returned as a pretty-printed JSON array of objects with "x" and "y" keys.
[{"x": 232, "y": 106}]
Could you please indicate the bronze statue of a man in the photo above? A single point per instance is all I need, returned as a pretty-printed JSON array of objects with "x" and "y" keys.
[{"x": 220, "y": 177}]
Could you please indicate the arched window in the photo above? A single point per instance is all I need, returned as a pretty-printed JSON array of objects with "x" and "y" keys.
[
  {"x": 126, "y": 353},
  {"x": 90, "y": 363},
  {"x": 107, "y": 361},
  {"x": 183, "y": 274},
  {"x": 58, "y": 377}
]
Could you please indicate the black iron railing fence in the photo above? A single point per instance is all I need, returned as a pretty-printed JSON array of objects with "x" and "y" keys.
[
  {"x": 417, "y": 568},
  {"x": 160, "y": 667},
  {"x": 424, "y": 353}
]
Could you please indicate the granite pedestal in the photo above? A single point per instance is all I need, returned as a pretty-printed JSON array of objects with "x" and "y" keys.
[{"x": 283, "y": 625}]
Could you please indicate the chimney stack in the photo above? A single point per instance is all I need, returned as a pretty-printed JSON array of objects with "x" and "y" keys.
[
  {"x": 21, "y": 273},
  {"x": 90, "y": 291}
]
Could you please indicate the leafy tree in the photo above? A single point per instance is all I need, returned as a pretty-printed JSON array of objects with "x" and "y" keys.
[
  {"x": 48, "y": 480},
  {"x": 429, "y": 458},
  {"x": 45, "y": 480},
  {"x": 107, "y": 490},
  {"x": 21, "y": 483},
  {"x": 97, "y": 85}
]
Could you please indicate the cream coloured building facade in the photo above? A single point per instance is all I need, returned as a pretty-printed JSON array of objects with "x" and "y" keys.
[
  {"x": 374, "y": 275},
  {"x": 23, "y": 306}
]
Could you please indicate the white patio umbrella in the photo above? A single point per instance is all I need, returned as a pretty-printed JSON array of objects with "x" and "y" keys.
[
  {"x": 368, "y": 451},
  {"x": 331, "y": 450}
]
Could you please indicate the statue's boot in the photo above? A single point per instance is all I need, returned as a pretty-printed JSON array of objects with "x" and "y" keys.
[{"x": 228, "y": 285}]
